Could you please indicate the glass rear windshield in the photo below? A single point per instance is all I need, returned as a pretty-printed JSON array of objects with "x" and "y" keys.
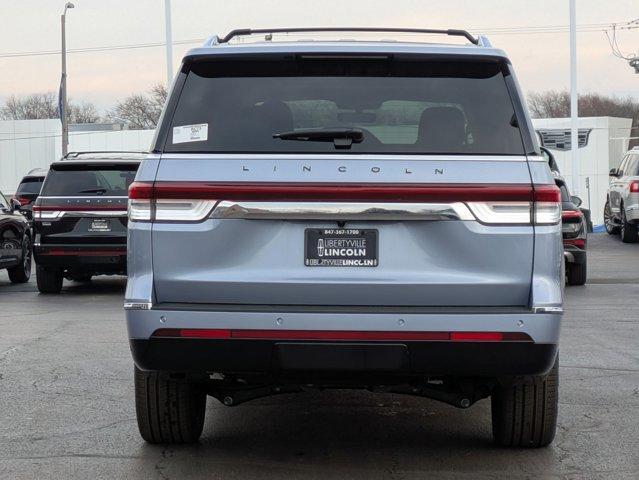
[
  {"x": 102, "y": 181},
  {"x": 412, "y": 107},
  {"x": 30, "y": 186}
]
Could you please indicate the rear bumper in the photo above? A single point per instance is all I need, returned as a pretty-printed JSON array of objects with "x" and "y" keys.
[
  {"x": 632, "y": 211},
  {"x": 316, "y": 358},
  {"x": 400, "y": 357},
  {"x": 107, "y": 258}
]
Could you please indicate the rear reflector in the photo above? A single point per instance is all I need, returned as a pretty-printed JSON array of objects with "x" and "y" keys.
[
  {"x": 568, "y": 214},
  {"x": 490, "y": 203},
  {"x": 342, "y": 335},
  {"x": 576, "y": 242}
]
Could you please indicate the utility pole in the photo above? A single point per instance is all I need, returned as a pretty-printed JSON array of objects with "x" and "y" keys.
[
  {"x": 169, "y": 43},
  {"x": 63, "y": 104},
  {"x": 574, "y": 100}
]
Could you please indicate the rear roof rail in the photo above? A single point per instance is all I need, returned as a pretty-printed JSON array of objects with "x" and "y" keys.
[
  {"x": 214, "y": 40},
  {"x": 102, "y": 154}
]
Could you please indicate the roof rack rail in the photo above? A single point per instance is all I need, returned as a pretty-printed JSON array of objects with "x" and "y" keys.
[
  {"x": 90, "y": 152},
  {"x": 248, "y": 31}
]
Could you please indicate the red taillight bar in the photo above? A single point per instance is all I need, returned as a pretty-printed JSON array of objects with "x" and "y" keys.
[
  {"x": 547, "y": 193},
  {"x": 339, "y": 335},
  {"x": 634, "y": 186},
  {"x": 81, "y": 208},
  {"x": 258, "y": 191}
]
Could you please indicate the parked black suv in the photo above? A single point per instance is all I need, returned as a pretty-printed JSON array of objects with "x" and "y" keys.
[
  {"x": 80, "y": 218},
  {"x": 15, "y": 243},
  {"x": 28, "y": 191}
]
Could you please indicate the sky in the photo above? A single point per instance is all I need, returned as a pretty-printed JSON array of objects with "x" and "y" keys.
[{"x": 541, "y": 60}]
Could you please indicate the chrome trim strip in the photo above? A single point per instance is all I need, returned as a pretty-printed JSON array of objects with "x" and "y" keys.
[
  {"x": 397, "y": 158},
  {"x": 94, "y": 213},
  {"x": 548, "y": 309},
  {"x": 58, "y": 214},
  {"x": 138, "y": 305},
  {"x": 341, "y": 210}
]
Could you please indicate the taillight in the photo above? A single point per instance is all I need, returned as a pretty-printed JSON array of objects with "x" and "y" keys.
[
  {"x": 143, "y": 206},
  {"x": 542, "y": 208},
  {"x": 634, "y": 186},
  {"x": 140, "y": 195},
  {"x": 21, "y": 200},
  {"x": 547, "y": 205}
]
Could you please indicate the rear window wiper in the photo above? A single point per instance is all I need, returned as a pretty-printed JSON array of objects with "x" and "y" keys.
[
  {"x": 341, "y": 137},
  {"x": 99, "y": 191}
]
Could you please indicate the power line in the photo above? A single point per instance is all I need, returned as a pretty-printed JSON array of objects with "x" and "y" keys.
[
  {"x": 521, "y": 30},
  {"x": 99, "y": 49}
]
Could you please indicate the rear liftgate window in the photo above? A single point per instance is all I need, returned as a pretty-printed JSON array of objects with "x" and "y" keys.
[
  {"x": 102, "y": 181},
  {"x": 379, "y": 106}
]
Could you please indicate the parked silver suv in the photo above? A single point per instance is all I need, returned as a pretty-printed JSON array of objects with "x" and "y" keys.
[
  {"x": 621, "y": 212},
  {"x": 371, "y": 215}
]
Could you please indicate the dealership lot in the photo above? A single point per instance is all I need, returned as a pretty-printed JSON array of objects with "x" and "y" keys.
[{"x": 66, "y": 398}]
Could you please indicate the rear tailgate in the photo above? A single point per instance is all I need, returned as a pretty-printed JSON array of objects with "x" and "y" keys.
[
  {"x": 444, "y": 257},
  {"x": 433, "y": 208},
  {"x": 84, "y": 205}
]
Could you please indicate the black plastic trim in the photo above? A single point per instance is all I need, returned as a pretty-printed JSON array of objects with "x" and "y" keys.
[{"x": 474, "y": 359}]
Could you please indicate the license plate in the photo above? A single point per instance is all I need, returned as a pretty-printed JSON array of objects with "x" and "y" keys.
[
  {"x": 340, "y": 247},
  {"x": 100, "y": 225}
]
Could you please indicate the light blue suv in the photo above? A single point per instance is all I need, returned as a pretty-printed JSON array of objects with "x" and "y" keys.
[{"x": 333, "y": 214}]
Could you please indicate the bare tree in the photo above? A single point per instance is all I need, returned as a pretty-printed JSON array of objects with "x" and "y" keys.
[
  {"x": 141, "y": 111},
  {"x": 31, "y": 107},
  {"x": 551, "y": 104},
  {"x": 555, "y": 104},
  {"x": 44, "y": 106},
  {"x": 84, "y": 113}
]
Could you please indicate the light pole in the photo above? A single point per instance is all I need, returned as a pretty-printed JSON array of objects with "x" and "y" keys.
[
  {"x": 574, "y": 101},
  {"x": 169, "y": 43},
  {"x": 63, "y": 84}
]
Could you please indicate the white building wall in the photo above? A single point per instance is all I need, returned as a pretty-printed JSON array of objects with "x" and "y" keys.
[
  {"x": 607, "y": 143},
  {"x": 24, "y": 145},
  {"x": 29, "y": 144}
]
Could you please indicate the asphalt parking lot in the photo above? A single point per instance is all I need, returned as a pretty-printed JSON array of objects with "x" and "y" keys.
[{"x": 67, "y": 410}]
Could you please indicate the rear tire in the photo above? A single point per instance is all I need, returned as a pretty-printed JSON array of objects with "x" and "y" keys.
[
  {"x": 524, "y": 414},
  {"x": 629, "y": 232},
  {"x": 168, "y": 410},
  {"x": 577, "y": 273},
  {"x": 609, "y": 221},
  {"x": 22, "y": 273},
  {"x": 49, "y": 280}
]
